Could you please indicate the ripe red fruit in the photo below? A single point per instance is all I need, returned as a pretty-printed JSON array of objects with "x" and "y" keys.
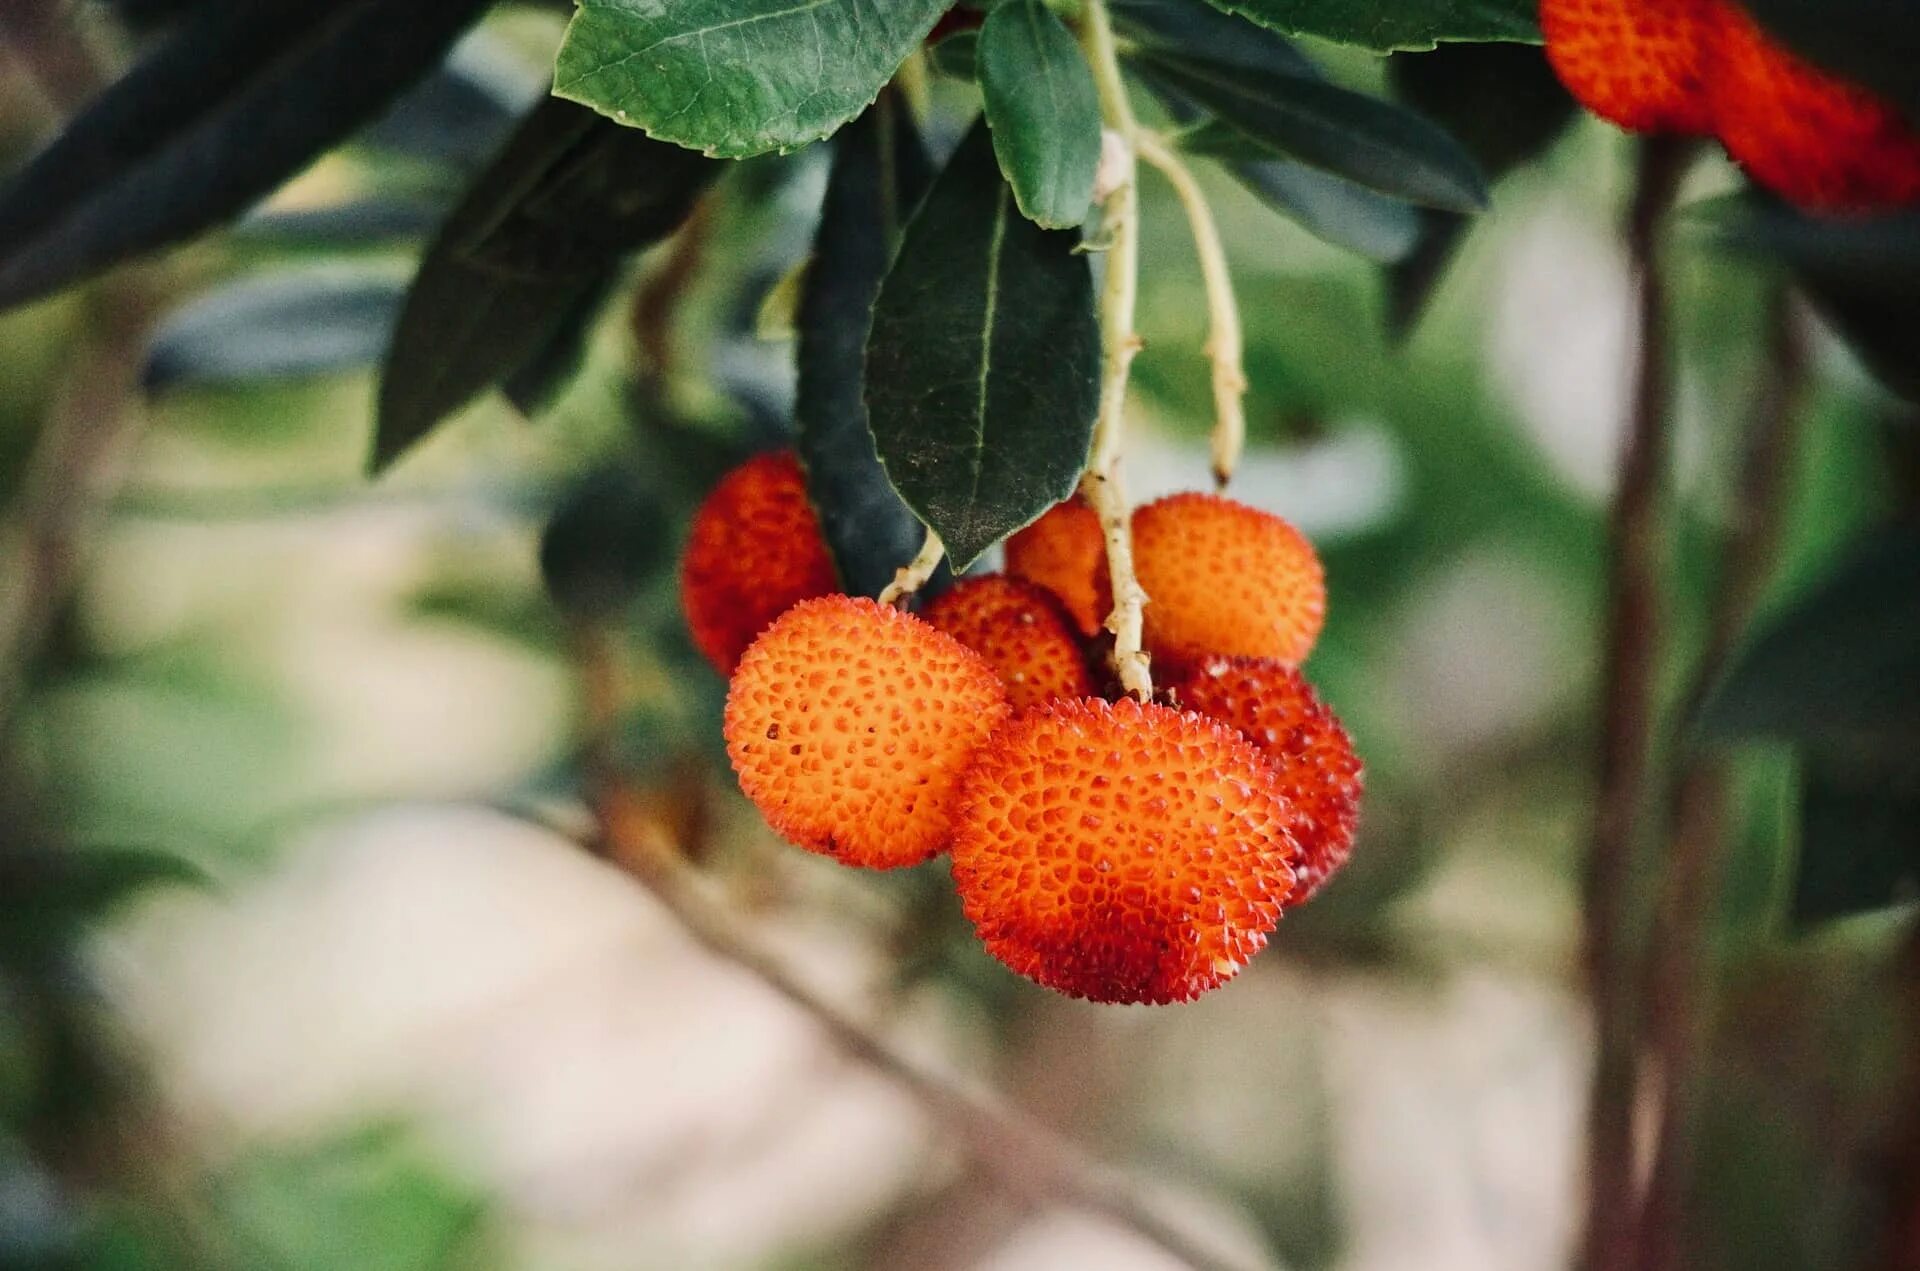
[
  {"x": 754, "y": 551},
  {"x": 1023, "y": 633},
  {"x": 850, "y": 723},
  {"x": 1314, "y": 766},
  {"x": 1122, "y": 852},
  {"x": 1640, "y": 63},
  {"x": 1065, "y": 551},
  {"x": 1222, "y": 577}
]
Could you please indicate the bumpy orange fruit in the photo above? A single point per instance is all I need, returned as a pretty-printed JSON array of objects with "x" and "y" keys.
[
  {"x": 1222, "y": 577},
  {"x": 1314, "y": 766},
  {"x": 1022, "y": 631},
  {"x": 850, "y": 723},
  {"x": 1640, "y": 63},
  {"x": 754, "y": 551},
  {"x": 1811, "y": 137},
  {"x": 1066, "y": 552},
  {"x": 1121, "y": 852}
]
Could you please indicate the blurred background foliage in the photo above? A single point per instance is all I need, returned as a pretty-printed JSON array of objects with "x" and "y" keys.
[{"x": 294, "y": 977}]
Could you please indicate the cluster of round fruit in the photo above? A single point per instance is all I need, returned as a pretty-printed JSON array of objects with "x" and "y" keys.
[
  {"x": 1706, "y": 68},
  {"x": 1111, "y": 849}
]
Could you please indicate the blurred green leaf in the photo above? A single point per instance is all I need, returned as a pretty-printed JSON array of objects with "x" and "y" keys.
[
  {"x": 1859, "y": 836},
  {"x": 275, "y": 326},
  {"x": 369, "y": 222},
  {"x": 1193, "y": 29},
  {"x": 240, "y": 98},
  {"x": 1385, "y": 26},
  {"x": 958, "y": 55},
  {"x": 880, "y": 172},
  {"x": 47, "y": 894},
  {"x": 983, "y": 366},
  {"x": 607, "y": 539},
  {"x": 1044, "y": 111},
  {"x": 735, "y": 78}
]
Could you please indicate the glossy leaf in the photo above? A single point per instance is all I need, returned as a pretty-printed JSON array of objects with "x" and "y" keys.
[
  {"x": 1388, "y": 25},
  {"x": 1195, "y": 30},
  {"x": 1371, "y": 142},
  {"x": 1044, "y": 111},
  {"x": 983, "y": 367},
  {"x": 735, "y": 78},
  {"x": 278, "y": 326},
  {"x": 1859, "y": 836},
  {"x": 240, "y": 98},
  {"x": 880, "y": 172},
  {"x": 568, "y": 197}
]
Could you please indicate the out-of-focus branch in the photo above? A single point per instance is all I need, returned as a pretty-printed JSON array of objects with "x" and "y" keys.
[
  {"x": 41, "y": 37},
  {"x": 1679, "y": 977},
  {"x": 1635, "y": 630}
]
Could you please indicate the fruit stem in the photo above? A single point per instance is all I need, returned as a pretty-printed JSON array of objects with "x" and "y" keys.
[
  {"x": 912, "y": 576},
  {"x": 1224, "y": 339},
  {"x": 1104, "y": 486}
]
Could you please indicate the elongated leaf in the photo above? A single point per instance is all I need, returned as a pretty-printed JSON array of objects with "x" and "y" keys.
[
  {"x": 241, "y": 98},
  {"x": 279, "y": 326},
  {"x": 368, "y": 222},
  {"x": 1374, "y": 143},
  {"x": 880, "y": 172},
  {"x": 983, "y": 366},
  {"x": 1385, "y": 26},
  {"x": 462, "y": 113},
  {"x": 1195, "y": 30},
  {"x": 1872, "y": 42},
  {"x": 569, "y": 196},
  {"x": 1859, "y": 836},
  {"x": 1044, "y": 111},
  {"x": 735, "y": 78},
  {"x": 1841, "y": 667},
  {"x": 543, "y": 377}
]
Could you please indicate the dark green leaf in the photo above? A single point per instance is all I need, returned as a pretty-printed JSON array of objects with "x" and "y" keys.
[
  {"x": 1842, "y": 666},
  {"x": 880, "y": 172},
  {"x": 1044, "y": 111},
  {"x": 533, "y": 240},
  {"x": 608, "y": 538},
  {"x": 459, "y": 115},
  {"x": 983, "y": 367},
  {"x": 47, "y": 893},
  {"x": 1194, "y": 30},
  {"x": 1859, "y": 837},
  {"x": 1385, "y": 26},
  {"x": 278, "y": 326},
  {"x": 1872, "y": 42},
  {"x": 958, "y": 55},
  {"x": 735, "y": 78},
  {"x": 544, "y": 376},
  {"x": 1371, "y": 142},
  {"x": 362, "y": 223},
  {"x": 241, "y": 98}
]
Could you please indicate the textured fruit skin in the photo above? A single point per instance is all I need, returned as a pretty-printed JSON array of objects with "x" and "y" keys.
[
  {"x": 1022, "y": 631},
  {"x": 1314, "y": 766},
  {"x": 1222, "y": 577},
  {"x": 1641, "y": 64},
  {"x": 1122, "y": 852},
  {"x": 849, "y": 724},
  {"x": 1811, "y": 137},
  {"x": 1065, "y": 551},
  {"x": 754, "y": 551},
  {"x": 1706, "y": 67}
]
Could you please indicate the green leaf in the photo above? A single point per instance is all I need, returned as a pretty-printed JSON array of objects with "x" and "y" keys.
[
  {"x": 1194, "y": 30},
  {"x": 608, "y": 538},
  {"x": 880, "y": 173},
  {"x": 48, "y": 893},
  {"x": 533, "y": 241},
  {"x": 1371, "y": 142},
  {"x": 1875, "y": 43},
  {"x": 735, "y": 78},
  {"x": 278, "y": 326},
  {"x": 1859, "y": 837},
  {"x": 1044, "y": 111},
  {"x": 240, "y": 99},
  {"x": 958, "y": 55},
  {"x": 983, "y": 367},
  {"x": 1385, "y": 26},
  {"x": 1841, "y": 667}
]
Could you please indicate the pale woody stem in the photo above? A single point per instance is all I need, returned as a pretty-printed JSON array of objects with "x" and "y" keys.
[
  {"x": 1224, "y": 339},
  {"x": 912, "y": 576}
]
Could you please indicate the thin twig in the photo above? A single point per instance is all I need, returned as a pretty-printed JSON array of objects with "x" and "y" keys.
[
  {"x": 1104, "y": 486},
  {"x": 1628, "y": 717},
  {"x": 1224, "y": 338},
  {"x": 912, "y": 576},
  {"x": 1680, "y": 974}
]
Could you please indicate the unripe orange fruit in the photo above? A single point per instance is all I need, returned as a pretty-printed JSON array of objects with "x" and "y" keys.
[
  {"x": 1640, "y": 63},
  {"x": 1810, "y": 137},
  {"x": 1022, "y": 631},
  {"x": 1314, "y": 766},
  {"x": 1121, "y": 852},
  {"x": 754, "y": 551},
  {"x": 849, "y": 724},
  {"x": 1222, "y": 577},
  {"x": 1065, "y": 551}
]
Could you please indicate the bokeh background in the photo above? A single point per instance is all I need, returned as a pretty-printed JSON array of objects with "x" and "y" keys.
[{"x": 390, "y": 1017}]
